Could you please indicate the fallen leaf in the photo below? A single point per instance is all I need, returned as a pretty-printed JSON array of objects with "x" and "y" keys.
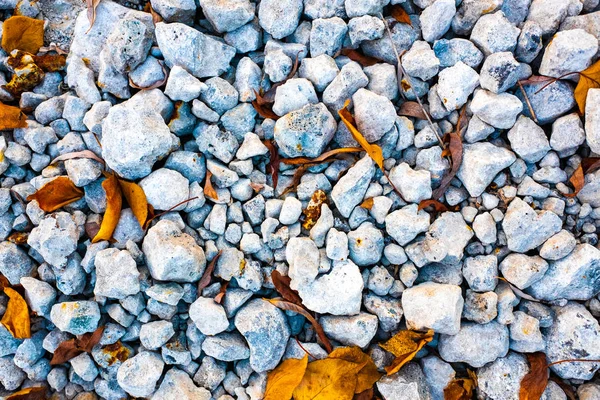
[
  {"x": 209, "y": 191},
  {"x": 78, "y": 154},
  {"x": 400, "y": 14},
  {"x": 327, "y": 379},
  {"x": 91, "y": 11},
  {"x": 368, "y": 203},
  {"x": 282, "y": 381},
  {"x": 11, "y": 117},
  {"x": 588, "y": 79},
  {"x": 18, "y": 237},
  {"x": 372, "y": 150},
  {"x": 207, "y": 275},
  {"x": 264, "y": 110},
  {"x": 359, "y": 57},
  {"x": 22, "y": 33},
  {"x": 16, "y": 317},
  {"x": 577, "y": 180},
  {"x": 56, "y": 193},
  {"x": 219, "y": 297},
  {"x": 257, "y": 187},
  {"x": 114, "y": 202},
  {"x": 273, "y": 166},
  {"x": 156, "y": 17},
  {"x": 296, "y": 178},
  {"x": 456, "y": 152},
  {"x": 51, "y": 62},
  {"x": 322, "y": 158},
  {"x": 412, "y": 109},
  {"x": 26, "y": 73},
  {"x": 405, "y": 345},
  {"x": 459, "y": 389},
  {"x": 3, "y": 282},
  {"x": 537, "y": 79},
  {"x": 534, "y": 383},
  {"x": 156, "y": 84},
  {"x": 73, "y": 347},
  {"x": 590, "y": 164},
  {"x": 312, "y": 212},
  {"x": 286, "y": 305},
  {"x": 282, "y": 285},
  {"x": 437, "y": 205},
  {"x": 368, "y": 375},
  {"x": 30, "y": 393},
  {"x": 136, "y": 198}
]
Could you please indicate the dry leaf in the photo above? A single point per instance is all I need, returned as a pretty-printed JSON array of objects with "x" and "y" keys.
[
  {"x": 207, "y": 276},
  {"x": 219, "y": 297},
  {"x": 209, "y": 191},
  {"x": 16, "y": 317},
  {"x": 114, "y": 202},
  {"x": 156, "y": 17},
  {"x": 73, "y": 347},
  {"x": 264, "y": 110},
  {"x": 51, "y": 62},
  {"x": 18, "y": 237},
  {"x": 282, "y": 381},
  {"x": 26, "y": 73},
  {"x": 322, "y": 158},
  {"x": 590, "y": 164},
  {"x": 456, "y": 152},
  {"x": 136, "y": 198},
  {"x": 296, "y": 178},
  {"x": 537, "y": 79},
  {"x": 282, "y": 285},
  {"x": 588, "y": 79},
  {"x": 412, "y": 109},
  {"x": 30, "y": 393},
  {"x": 22, "y": 33},
  {"x": 331, "y": 378},
  {"x": 405, "y": 345},
  {"x": 3, "y": 282},
  {"x": 400, "y": 14},
  {"x": 11, "y": 117},
  {"x": 372, "y": 150},
  {"x": 437, "y": 205},
  {"x": 78, "y": 154},
  {"x": 368, "y": 203},
  {"x": 56, "y": 193},
  {"x": 534, "y": 383},
  {"x": 359, "y": 57},
  {"x": 91, "y": 11},
  {"x": 273, "y": 166},
  {"x": 459, "y": 389},
  {"x": 312, "y": 213},
  {"x": 286, "y": 305},
  {"x": 52, "y": 47},
  {"x": 577, "y": 180},
  {"x": 368, "y": 375}
]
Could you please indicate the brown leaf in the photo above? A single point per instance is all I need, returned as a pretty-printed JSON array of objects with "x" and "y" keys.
[
  {"x": 296, "y": 178},
  {"x": 588, "y": 79},
  {"x": 405, "y": 345},
  {"x": 219, "y": 297},
  {"x": 456, "y": 153},
  {"x": 373, "y": 150},
  {"x": 534, "y": 383},
  {"x": 56, "y": 193},
  {"x": 359, "y": 57},
  {"x": 16, "y": 317},
  {"x": 136, "y": 198},
  {"x": 207, "y": 275},
  {"x": 91, "y": 229},
  {"x": 313, "y": 209},
  {"x": 209, "y": 191},
  {"x": 537, "y": 79},
  {"x": 282, "y": 381},
  {"x": 156, "y": 84},
  {"x": 51, "y": 62},
  {"x": 590, "y": 164},
  {"x": 114, "y": 202},
  {"x": 437, "y": 205},
  {"x": 18, "y": 237},
  {"x": 30, "y": 393},
  {"x": 52, "y": 47},
  {"x": 577, "y": 180},
  {"x": 322, "y": 158},
  {"x": 78, "y": 154},
  {"x": 273, "y": 166},
  {"x": 4, "y": 283},
  {"x": 368, "y": 203},
  {"x": 286, "y": 305},
  {"x": 412, "y": 109},
  {"x": 459, "y": 389},
  {"x": 91, "y": 11},
  {"x": 264, "y": 110},
  {"x": 156, "y": 17},
  {"x": 22, "y": 33},
  {"x": 328, "y": 379},
  {"x": 11, "y": 117},
  {"x": 400, "y": 14},
  {"x": 73, "y": 347},
  {"x": 368, "y": 375},
  {"x": 282, "y": 285}
]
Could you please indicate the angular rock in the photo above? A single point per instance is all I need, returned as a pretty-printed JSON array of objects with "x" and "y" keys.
[
  {"x": 481, "y": 163},
  {"x": 139, "y": 374},
  {"x": 350, "y": 189},
  {"x": 433, "y": 306},
  {"x": 357, "y": 330}
]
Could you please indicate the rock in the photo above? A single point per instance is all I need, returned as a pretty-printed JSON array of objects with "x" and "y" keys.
[
  {"x": 481, "y": 163},
  {"x": 365, "y": 244},
  {"x": 567, "y": 135},
  {"x": 525, "y": 229},
  {"x": 438, "y": 375},
  {"x": 436, "y": 19},
  {"x": 525, "y": 335},
  {"x": 574, "y": 334},
  {"x": 209, "y": 317},
  {"x": 182, "y": 85},
  {"x": 480, "y": 307},
  {"x": 475, "y": 344},
  {"x": 177, "y": 385},
  {"x": 375, "y": 115},
  {"x": 558, "y": 246},
  {"x": 40, "y": 297},
  {"x": 405, "y": 224},
  {"x": 407, "y": 384},
  {"x": 172, "y": 255},
  {"x": 265, "y": 329},
  {"x": 450, "y": 52},
  {"x": 116, "y": 274},
  {"x": 498, "y": 110},
  {"x": 294, "y": 94},
  {"x": 499, "y": 72},
  {"x": 182, "y": 11},
  {"x": 15, "y": 264},
  {"x": 453, "y": 234},
  {"x": 501, "y": 379},
  {"x": 364, "y": 28},
  {"x": 155, "y": 334},
  {"x": 350, "y": 78},
  {"x": 481, "y": 272},
  {"x": 413, "y": 185},
  {"x": 209, "y": 57},
  {"x": 302, "y": 256},
  {"x": 357, "y": 330},
  {"x": 226, "y": 347},
  {"x": 388, "y": 310},
  {"x": 433, "y": 306},
  {"x": 522, "y": 270},
  {"x": 528, "y": 140},
  {"x": 493, "y": 33},
  {"x": 327, "y": 36},
  {"x": 165, "y": 188},
  {"x": 229, "y": 15},
  {"x": 139, "y": 374},
  {"x": 592, "y": 120},
  {"x": 569, "y": 51},
  {"x": 420, "y": 61},
  {"x": 550, "y": 102},
  {"x": 350, "y": 189},
  {"x": 55, "y": 238},
  {"x": 321, "y": 71},
  {"x": 76, "y": 317},
  {"x": 455, "y": 85},
  {"x": 279, "y": 18}
]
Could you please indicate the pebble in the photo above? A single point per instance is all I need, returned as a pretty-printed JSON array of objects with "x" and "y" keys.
[
  {"x": 76, "y": 317},
  {"x": 139, "y": 374},
  {"x": 525, "y": 229},
  {"x": 475, "y": 344},
  {"x": 433, "y": 306},
  {"x": 356, "y": 330}
]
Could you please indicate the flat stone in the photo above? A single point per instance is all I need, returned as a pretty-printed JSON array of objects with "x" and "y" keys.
[{"x": 357, "y": 330}]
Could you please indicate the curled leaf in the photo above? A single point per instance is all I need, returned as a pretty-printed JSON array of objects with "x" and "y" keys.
[
  {"x": 221, "y": 295},
  {"x": 588, "y": 79},
  {"x": 400, "y": 14},
  {"x": 22, "y": 33},
  {"x": 296, "y": 178},
  {"x": 11, "y": 117},
  {"x": 459, "y": 389},
  {"x": 209, "y": 191},
  {"x": 437, "y": 205},
  {"x": 412, "y": 109},
  {"x": 136, "y": 198},
  {"x": 30, "y": 393},
  {"x": 273, "y": 166},
  {"x": 282, "y": 285},
  {"x": 282, "y": 381},
  {"x": 577, "y": 180},
  {"x": 322, "y": 158},
  {"x": 112, "y": 214},
  {"x": 312, "y": 212},
  {"x": 359, "y": 57},
  {"x": 368, "y": 375},
  {"x": 73, "y": 347},
  {"x": 91, "y": 11},
  {"x": 405, "y": 345},
  {"x": 590, "y": 164},
  {"x": 534, "y": 383},
  {"x": 264, "y": 110},
  {"x": 456, "y": 152},
  {"x": 373, "y": 150},
  {"x": 50, "y": 62},
  {"x": 327, "y": 379},
  {"x": 56, "y": 193},
  {"x": 207, "y": 275},
  {"x": 78, "y": 154},
  {"x": 16, "y": 317}
]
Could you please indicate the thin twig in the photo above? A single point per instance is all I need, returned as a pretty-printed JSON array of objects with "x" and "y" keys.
[
  {"x": 170, "y": 209},
  {"x": 410, "y": 82},
  {"x": 573, "y": 360},
  {"x": 528, "y": 102},
  {"x": 302, "y": 347}
]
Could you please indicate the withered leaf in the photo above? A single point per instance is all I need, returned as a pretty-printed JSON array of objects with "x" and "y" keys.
[
  {"x": 51, "y": 62},
  {"x": 368, "y": 203},
  {"x": 412, "y": 109},
  {"x": 286, "y": 305},
  {"x": 11, "y": 117},
  {"x": 222, "y": 291},
  {"x": 359, "y": 57},
  {"x": 312, "y": 212},
  {"x": 30, "y": 393},
  {"x": 18, "y": 237},
  {"x": 156, "y": 17},
  {"x": 78, "y": 154},
  {"x": 296, "y": 178},
  {"x": 437, "y": 205},
  {"x": 114, "y": 202},
  {"x": 207, "y": 275},
  {"x": 25, "y": 78},
  {"x": 273, "y": 166},
  {"x": 16, "y": 317},
  {"x": 459, "y": 389},
  {"x": 209, "y": 190},
  {"x": 282, "y": 285},
  {"x": 405, "y": 345},
  {"x": 91, "y": 12},
  {"x": 282, "y": 381},
  {"x": 56, "y": 193},
  {"x": 588, "y": 79},
  {"x": 373, "y": 150},
  {"x": 22, "y": 33},
  {"x": 368, "y": 394},
  {"x": 534, "y": 383},
  {"x": 577, "y": 180},
  {"x": 537, "y": 79},
  {"x": 3, "y": 282},
  {"x": 590, "y": 164},
  {"x": 368, "y": 375},
  {"x": 322, "y": 158},
  {"x": 52, "y": 47},
  {"x": 456, "y": 152},
  {"x": 136, "y": 198},
  {"x": 73, "y": 347},
  {"x": 330, "y": 378},
  {"x": 264, "y": 110},
  {"x": 400, "y": 14}
]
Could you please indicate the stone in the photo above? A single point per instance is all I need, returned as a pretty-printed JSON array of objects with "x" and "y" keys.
[
  {"x": 139, "y": 374},
  {"x": 450, "y": 52},
  {"x": 549, "y": 102},
  {"x": 302, "y": 256},
  {"x": 327, "y": 36},
  {"x": 480, "y": 307},
  {"x": 436, "y": 19},
  {"x": 387, "y": 309},
  {"x": 592, "y": 120},
  {"x": 76, "y": 317},
  {"x": 522, "y": 270},
  {"x": 279, "y": 18},
  {"x": 350, "y": 189},
  {"x": 375, "y": 115},
  {"x": 405, "y": 224},
  {"x": 455, "y": 85},
  {"x": 15, "y": 264},
  {"x": 567, "y": 135},
  {"x": 407, "y": 384},
  {"x": 414, "y": 186},
  {"x": 498, "y": 110},
  {"x": 321, "y": 71},
  {"x": 357, "y": 330},
  {"x": 229, "y": 15},
  {"x": 499, "y": 72},
  {"x": 182, "y": 85},
  {"x": 365, "y": 244},
  {"x": 433, "y": 306},
  {"x": 364, "y": 28},
  {"x": 569, "y": 51},
  {"x": 481, "y": 163},
  {"x": 481, "y": 272},
  {"x": 525, "y": 334},
  {"x": 528, "y": 140},
  {"x": 294, "y": 94},
  {"x": 558, "y": 246},
  {"x": 177, "y": 385},
  {"x": 209, "y": 316},
  {"x": 155, "y": 334},
  {"x": 501, "y": 379},
  {"x": 453, "y": 235},
  {"x": 55, "y": 238},
  {"x": 494, "y": 33},
  {"x": 420, "y": 61},
  {"x": 116, "y": 274},
  {"x": 40, "y": 297},
  {"x": 166, "y": 188},
  {"x": 350, "y": 78}
]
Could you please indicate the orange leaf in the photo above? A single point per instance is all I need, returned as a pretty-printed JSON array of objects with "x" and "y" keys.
[
  {"x": 322, "y": 158},
  {"x": 588, "y": 79},
  {"x": 209, "y": 191},
  {"x": 18, "y": 237},
  {"x": 534, "y": 383},
  {"x": 368, "y": 375},
  {"x": 327, "y": 379},
  {"x": 359, "y": 57},
  {"x": 73, "y": 347},
  {"x": 11, "y": 117},
  {"x": 30, "y": 393},
  {"x": 282, "y": 381},
  {"x": 368, "y": 203},
  {"x": 22, "y": 33},
  {"x": 437, "y": 205},
  {"x": 459, "y": 389},
  {"x": 264, "y": 110},
  {"x": 56, "y": 193},
  {"x": 405, "y": 345},
  {"x": 156, "y": 17},
  {"x": 372, "y": 149},
  {"x": 50, "y": 62},
  {"x": 16, "y": 316},
  {"x": 91, "y": 12},
  {"x": 114, "y": 202},
  {"x": 136, "y": 198},
  {"x": 400, "y": 14},
  {"x": 577, "y": 180}
]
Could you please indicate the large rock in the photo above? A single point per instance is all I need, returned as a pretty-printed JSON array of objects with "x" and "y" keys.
[
  {"x": 407, "y": 384},
  {"x": 55, "y": 238},
  {"x": 525, "y": 229},
  {"x": 480, "y": 165},
  {"x": 177, "y": 385},
  {"x": 279, "y": 17},
  {"x": 228, "y": 15},
  {"x": 350, "y": 189},
  {"x": 433, "y": 306},
  {"x": 139, "y": 374},
  {"x": 266, "y": 330}
]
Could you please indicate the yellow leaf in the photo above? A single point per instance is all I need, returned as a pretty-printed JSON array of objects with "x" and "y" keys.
[
  {"x": 16, "y": 316},
  {"x": 23, "y": 33},
  {"x": 30, "y": 393},
  {"x": 372, "y": 150},
  {"x": 588, "y": 79},
  {"x": 368, "y": 375},
  {"x": 459, "y": 389},
  {"x": 331, "y": 378},
  {"x": 209, "y": 191},
  {"x": 11, "y": 118},
  {"x": 114, "y": 202},
  {"x": 368, "y": 203},
  {"x": 405, "y": 345},
  {"x": 136, "y": 198},
  {"x": 282, "y": 381},
  {"x": 56, "y": 193}
]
